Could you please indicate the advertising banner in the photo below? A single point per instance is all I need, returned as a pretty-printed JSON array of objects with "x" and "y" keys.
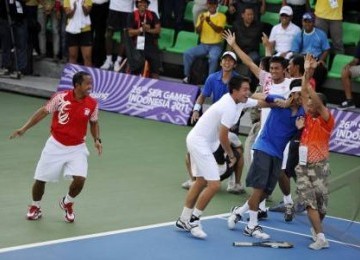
[
  {"x": 345, "y": 137},
  {"x": 137, "y": 96}
]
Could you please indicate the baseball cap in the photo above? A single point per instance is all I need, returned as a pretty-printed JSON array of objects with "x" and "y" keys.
[
  {"x": 212, "y": 1},
  {"x": 308, "y": 16},
  {"x": 295, "y": 85},
  {"x": 229, "y": 53},
  {"x": 286, "y": 10}
]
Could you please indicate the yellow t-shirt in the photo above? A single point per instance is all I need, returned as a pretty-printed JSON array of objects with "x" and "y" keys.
[
  {"x": 87, "y": 3},
  {"x": 324, "y": 10},
  {"x": 208, "y": 35}
]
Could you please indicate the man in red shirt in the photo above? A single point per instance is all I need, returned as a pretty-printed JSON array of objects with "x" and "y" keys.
[{"x": 65, "y": 151}]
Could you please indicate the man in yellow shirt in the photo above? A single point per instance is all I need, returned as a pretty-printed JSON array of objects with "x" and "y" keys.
[
  {"x": 209, "y": 26},
  {"x": 329, "y": 16}
]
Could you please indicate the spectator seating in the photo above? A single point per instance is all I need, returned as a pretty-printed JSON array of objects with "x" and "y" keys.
[
  {"x": 116, "y": 37},
  {"x": 222, "y": 9},
  {"x": 166, "y": 39},
  {"x": 351, "y": 33},
  {"x": 188, "y": 14},
  {"x": 274, "y": 2},
  {"x": 270, "y": 18},
  {"x": 340, "y": 60},
  {"x": 184, "y": 41}
]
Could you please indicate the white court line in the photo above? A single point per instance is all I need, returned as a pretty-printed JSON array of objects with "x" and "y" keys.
[{"x": 127, "y": 230}]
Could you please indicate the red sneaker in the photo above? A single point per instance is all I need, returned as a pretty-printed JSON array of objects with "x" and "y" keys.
[
  {"x": 67, "y": 207},
  {"x": 33, "y": 213}
]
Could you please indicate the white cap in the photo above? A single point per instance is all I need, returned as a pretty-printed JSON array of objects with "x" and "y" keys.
[
  {"x": 295, "y": 89},
  {"x": 231, "y": 54},
  {"x": 286, "y": 10}
]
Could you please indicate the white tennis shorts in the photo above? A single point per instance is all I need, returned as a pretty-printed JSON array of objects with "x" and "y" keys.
[
  {"x": 57, "y": 159},
  {"x": 203, "y": 163}
]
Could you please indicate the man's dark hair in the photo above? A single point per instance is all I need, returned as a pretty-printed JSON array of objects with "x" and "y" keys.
[
  {"x": 236, "y": 82},
  {"x": 299, "y": 61},
  {"x": 279, "y": 59},
  {"x": 78, "y": 77},
  {"x": 295, "y": 83},
  {"x": 265, "y": 62}
]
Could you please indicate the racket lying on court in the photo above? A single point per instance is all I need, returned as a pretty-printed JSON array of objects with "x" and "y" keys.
[{"x": 267, "y": 243}]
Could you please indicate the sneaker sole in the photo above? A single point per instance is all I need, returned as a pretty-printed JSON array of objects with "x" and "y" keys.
[
  {"x": 66, "y": 219},
  {"x": 32, "y": 218}
]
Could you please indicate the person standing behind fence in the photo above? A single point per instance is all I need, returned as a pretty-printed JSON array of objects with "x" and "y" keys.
[
  {"x": 78, "y": 30},
  {"x": 313, "y": 169},
  {"x": 65, "y": 151}
]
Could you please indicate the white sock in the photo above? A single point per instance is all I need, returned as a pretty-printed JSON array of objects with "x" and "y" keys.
[
  {"x": 108, "y": 58},
  {"x": 242, "y": 209},
  {"x": 262, "y": 205},
  {"x": 68, "y": 199},
  {"x": 253, "y": 222},
  {"x": 36, "y": 203},
  {"x": 288, "y": 200},
  {"x": 186, "y": 214},
  {"x": 197, "y": 213},
  {"x": 119, "y": 59}
]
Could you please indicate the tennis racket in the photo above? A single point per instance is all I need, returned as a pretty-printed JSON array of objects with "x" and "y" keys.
[{"x": 267, "y": 243}]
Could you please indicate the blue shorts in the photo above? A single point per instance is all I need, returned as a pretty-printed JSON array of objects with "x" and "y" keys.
[{"x": 264, "y": 172}]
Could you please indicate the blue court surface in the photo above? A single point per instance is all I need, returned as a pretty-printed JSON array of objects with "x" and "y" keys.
[{"x": 164, "y": 241}]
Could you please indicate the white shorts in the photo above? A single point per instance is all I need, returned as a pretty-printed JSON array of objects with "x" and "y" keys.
[
  {"x": 234, "y": 140},
  {"x": 203, "y": 163},
  {"x": 355, "y": 71},
  {"x": 57, "y": 159}
]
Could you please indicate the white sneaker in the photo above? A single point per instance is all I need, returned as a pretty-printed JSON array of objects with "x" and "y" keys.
[
  {"x": 107, "y": 65},
  {"x": 198, "y": 232},
  {"x": 185, "y": 80},
  {"x": 319, "y": 244},
  {"x": 194, "y": 227},
  {"x": 187, "y": 184},
  {"x": 117, "y": 66},
  {"x": 236, "y": 188},
  {"x": 256, "y": 232},
  {"x": 233, "y": 218}
]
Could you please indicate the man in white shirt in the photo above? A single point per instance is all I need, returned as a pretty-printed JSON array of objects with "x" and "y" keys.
[
  {"x": 211, "y": 130},
  {"x": 282, "y": 34}
]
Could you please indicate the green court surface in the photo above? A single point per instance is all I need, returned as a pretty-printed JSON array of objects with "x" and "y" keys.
[{"x": 135, "y": 182}]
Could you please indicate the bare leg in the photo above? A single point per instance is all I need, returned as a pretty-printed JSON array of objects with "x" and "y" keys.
[
  {"x": 284, "y": 183},
  {"x": 76, "y": 186},
  {"x": 38, "y": 190},
  {"x": 86, "y": 52},
  {"x": 207, "y": 194},
  {"x": 346, "y": 82}
]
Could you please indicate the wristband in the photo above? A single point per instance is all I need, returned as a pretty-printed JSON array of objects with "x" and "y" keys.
[{"x": 197, "y": 107}]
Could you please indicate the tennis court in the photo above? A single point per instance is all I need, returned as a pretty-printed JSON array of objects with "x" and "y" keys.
[{"x": 134, "y": 184}]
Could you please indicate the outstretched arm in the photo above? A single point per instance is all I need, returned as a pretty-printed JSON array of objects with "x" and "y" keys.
[
  {"x": 230, "y": 38},
  {"x": 308, "y": 92},
  {"x": 39, "y": 115}
]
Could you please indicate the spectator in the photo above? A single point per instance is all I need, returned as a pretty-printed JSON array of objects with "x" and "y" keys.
[
  {"x": 144, "y": 28},
  {"x": 16, "y": 12},
  {"x": 119, "y": 11},
  {"x": 47, "y": 12},
  {"x": 210, "y": 25},
  {"x": 248, "y": 36},
  {"x": 314, "y": 41},
  {"x": 236, "y": 7},
  {"x": 299, "y": 7},
  {"x": 329, "y": 19},
  {"x": 78, "y": 30},
  {"x": 98, "y": 16},
  {"x": 350, "y": 71},
  {"x": 282, "y": 34}
]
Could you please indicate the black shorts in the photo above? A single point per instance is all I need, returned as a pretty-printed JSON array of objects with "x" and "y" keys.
[
  {"x": 152, "y": 55},
  {"x": 117, "y": 21},
  {"x": 264, "y": 172},
  {"x": 80, "y": 39}
]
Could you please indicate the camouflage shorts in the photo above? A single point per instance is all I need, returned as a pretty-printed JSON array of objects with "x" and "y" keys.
[{"x": 312, "y": 185}]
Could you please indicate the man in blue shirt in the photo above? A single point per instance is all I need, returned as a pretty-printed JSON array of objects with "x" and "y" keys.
[
  {"x": 264, "y": 171},
  {"x": 314, "y": 41}
]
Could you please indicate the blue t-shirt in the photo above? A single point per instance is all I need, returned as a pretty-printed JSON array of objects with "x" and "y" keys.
[
  {"x": 215, "y": 87},
  {"x": 279, "y": 128},
  {"x": 315, "y": 43}
]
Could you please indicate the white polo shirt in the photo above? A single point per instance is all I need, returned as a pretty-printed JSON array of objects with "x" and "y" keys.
[{"x": 283, "y": 37}]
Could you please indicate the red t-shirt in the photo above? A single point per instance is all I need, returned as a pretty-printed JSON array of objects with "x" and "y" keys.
[{"x": 71, "y": 117}]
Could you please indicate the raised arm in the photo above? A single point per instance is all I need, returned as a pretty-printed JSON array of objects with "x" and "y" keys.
[{"x": 307, "y": 92}]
